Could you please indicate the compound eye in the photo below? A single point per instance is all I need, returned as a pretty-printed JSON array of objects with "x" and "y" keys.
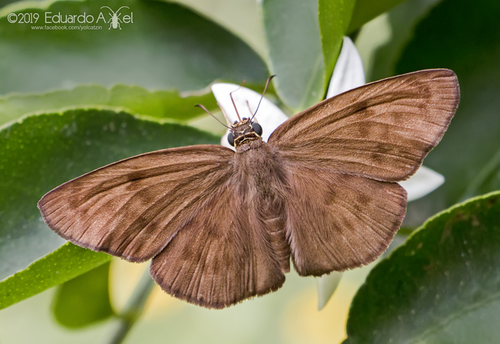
[
  {"x": 257, "y": 128},
  {"x": 230, "y": 138}
]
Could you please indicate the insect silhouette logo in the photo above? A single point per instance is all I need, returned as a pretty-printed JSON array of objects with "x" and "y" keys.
[{"x": 116, "y": 18}]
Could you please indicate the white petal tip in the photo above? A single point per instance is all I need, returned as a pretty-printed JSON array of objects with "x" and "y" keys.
[
  {"x": 423, "y": 182},
  {"x": 348, "y": 72},
  {"x": 326, "y": 286}
]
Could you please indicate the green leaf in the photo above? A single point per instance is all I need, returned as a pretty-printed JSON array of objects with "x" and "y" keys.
[
  {"x": 166, "y": 47},
  {"x": 295, "y": 55},
  {"x": 487, "y": 179},
  {"x": 41, "y": 152},
  {"x": 366, "y": 10},
  {"x": 241, "y": 17},
  {"x": 441, "y": 286},
  {"x": 6, "y": 2},
  {"x": 470, "y": 147},
  {"x": 132, "y": 99},
  {"x": 304, "y": 40},
  {"x": 334, "y": 18},
  {"x": 381, "y": 41},
  {"x": 65, "y": 263},
  {"x": 84, "y": 300}
]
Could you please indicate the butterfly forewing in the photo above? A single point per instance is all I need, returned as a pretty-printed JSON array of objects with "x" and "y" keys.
[
  {"x": 133, "y": 208},
  {"x": 381, "y": 130}
]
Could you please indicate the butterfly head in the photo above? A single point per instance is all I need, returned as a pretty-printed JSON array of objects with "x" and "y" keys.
[{"x": 244, "y": 131}]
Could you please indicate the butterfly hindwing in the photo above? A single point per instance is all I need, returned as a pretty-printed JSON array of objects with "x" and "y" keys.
[
  {"x": 346, "y": 222},
  {"x": 220, "y": 259},
  {"x": 237, "y": 248}
]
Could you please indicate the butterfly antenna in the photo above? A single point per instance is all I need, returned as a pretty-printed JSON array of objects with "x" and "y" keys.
[
  {"x": 231, "y": 96},
  {"x": 205, "y": 109},
  {"x": 265, "y": 89},
  {"x": 249, "y": 109},
  {"x": 225, "y": 115}
]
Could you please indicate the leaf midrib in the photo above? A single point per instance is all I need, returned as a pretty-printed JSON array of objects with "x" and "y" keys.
[{"x": 455, "y": 315}]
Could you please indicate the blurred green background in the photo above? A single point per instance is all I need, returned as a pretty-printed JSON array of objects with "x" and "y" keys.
[{"x": 72, "y": 101}]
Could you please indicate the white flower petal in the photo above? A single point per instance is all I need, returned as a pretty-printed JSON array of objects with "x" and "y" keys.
[
  {"x": 348, "y": 72},
  {"x": 269, "y": 115},
  {"x": 422, "y": 182},
  {"x": 326, "y": 286}
]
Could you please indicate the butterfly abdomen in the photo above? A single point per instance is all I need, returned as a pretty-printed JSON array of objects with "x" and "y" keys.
[{"x": 263, "y": 181}]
